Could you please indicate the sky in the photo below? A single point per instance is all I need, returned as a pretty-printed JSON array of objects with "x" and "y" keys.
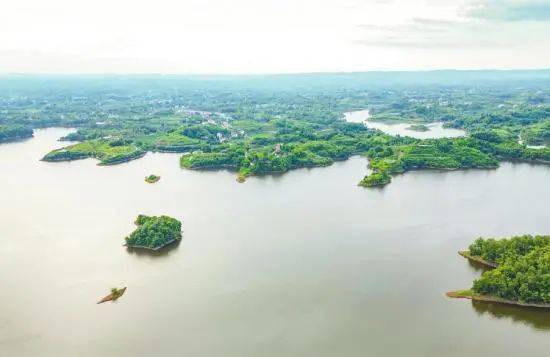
[{"x": 271, "y": 36}]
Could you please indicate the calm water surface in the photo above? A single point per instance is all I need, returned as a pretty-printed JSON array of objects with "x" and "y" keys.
[
  {"x": 303, "y": 264},
  {"x": 393, "y": 128}
]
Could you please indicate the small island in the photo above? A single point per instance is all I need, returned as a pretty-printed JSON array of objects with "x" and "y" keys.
[
  {"x": 376, "y": 179},
  {"x": 152, "y": 179},
  {"x": 418, "y": 127},
  {"x": 113, "y": 296},
  {"x": 154, "y": 233},
  {"x": 518, "y": 273}
]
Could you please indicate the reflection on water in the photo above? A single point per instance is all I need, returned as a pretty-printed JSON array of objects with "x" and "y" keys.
[
  {"x": 148, "y": 253},
  {"x": 476, "y": 266},
  {"x": 536, "y": 318},
  {"x": 436, "y": 130}
]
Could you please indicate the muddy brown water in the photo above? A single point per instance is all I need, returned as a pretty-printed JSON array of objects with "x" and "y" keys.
[{"x": 301, "y": 264}]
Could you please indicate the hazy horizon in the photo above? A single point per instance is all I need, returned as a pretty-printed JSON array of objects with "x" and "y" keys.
[
  {"x": 259, "y": 74},
  {"x": 272, "y": 37}
]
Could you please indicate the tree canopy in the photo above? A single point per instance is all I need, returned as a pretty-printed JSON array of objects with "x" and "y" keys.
[
  {"x": 523, "y": 271},
  {"x": 154, "y": 232}
]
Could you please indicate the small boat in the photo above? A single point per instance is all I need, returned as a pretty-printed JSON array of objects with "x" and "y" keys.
[{"x": 114, "y": 295}]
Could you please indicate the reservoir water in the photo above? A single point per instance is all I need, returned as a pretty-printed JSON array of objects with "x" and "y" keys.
[
  {"x": 301, "y": 264},
  {"x": 436, "y": 130}
]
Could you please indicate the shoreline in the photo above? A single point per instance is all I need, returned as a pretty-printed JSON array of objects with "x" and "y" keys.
[
  {"x": 149, "y": 248},
  {"x": 467, "y": 255},
  {"x": 16, "y": 139},
  {"x": 527, "y": 161},
  {"x": 467, "y": 294},
  {"x": 132, "y": 157}
]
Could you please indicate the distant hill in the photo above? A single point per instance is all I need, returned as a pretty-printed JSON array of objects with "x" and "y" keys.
[{"x": 276, "y": 82}]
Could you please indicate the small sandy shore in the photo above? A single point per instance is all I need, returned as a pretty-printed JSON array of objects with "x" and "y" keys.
[
  {"x": 467, "y": 294},
  {"x": 479, "y": 260}
]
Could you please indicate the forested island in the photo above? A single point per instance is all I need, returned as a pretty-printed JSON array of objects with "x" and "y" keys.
[
  {"x": 418, "y": 127},
  {"x": 257, "y": 125},
  {"x": 154, "y": 232},
  {"x": 152, "y": 178},
  {"x": 519, "y": 271}
]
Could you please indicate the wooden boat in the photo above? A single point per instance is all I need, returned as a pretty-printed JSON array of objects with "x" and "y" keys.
[{"x": 113, "y": 296}]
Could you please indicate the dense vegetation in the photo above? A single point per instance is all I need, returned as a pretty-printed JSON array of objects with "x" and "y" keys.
[
  {"x": 498, "y": 251},
  {"x": 523, "y": 272},
  {"x": 537, "y": 134},
  {"x": 14, "y": 132},
  {"x": 258, "y": 125},
  {"x": 377, "y": 178},
  {"x": 107, "y": 152},
  {"x": 152, "y": 178},
  {"x": 441, "y": 154},
  {"x": 154, "y": 232},
  {"x": 263, "y": 154}
]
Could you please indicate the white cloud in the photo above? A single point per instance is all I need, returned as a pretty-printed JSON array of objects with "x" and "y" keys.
[
  {"x": 239, "y": 36},
  {"x": 510, "y": 10},
  {"x": 464, "y": 34}
]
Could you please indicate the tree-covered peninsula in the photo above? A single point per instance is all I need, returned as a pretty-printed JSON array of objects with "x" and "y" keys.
[
  {"x": 14, "y": 132},
  {"x": 257, "y": 125},
  {"x": 154, "y": 232},
  {"x": 377, "y": 178},
  {"x": 108, "y": 152},
  {"x": 520, "y": 271}
]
